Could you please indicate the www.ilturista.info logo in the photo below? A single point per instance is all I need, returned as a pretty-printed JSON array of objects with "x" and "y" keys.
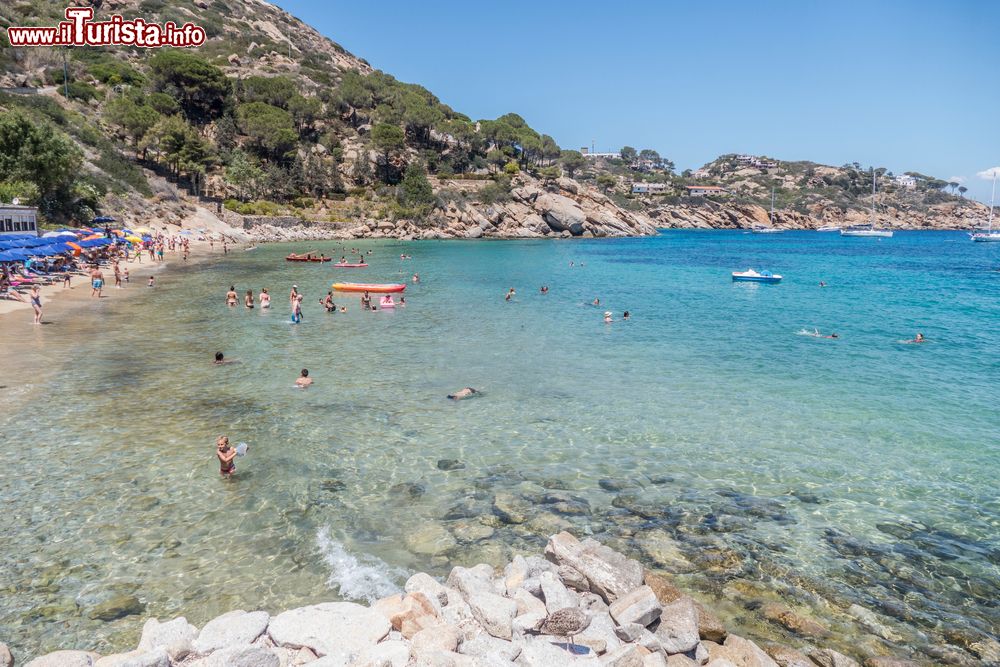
[{"x": 79, "y": 30}]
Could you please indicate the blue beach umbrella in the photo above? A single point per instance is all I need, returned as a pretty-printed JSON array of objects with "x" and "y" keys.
[
  {"x": 16, "y": 255},
  {"x": 102, "y": 218}
]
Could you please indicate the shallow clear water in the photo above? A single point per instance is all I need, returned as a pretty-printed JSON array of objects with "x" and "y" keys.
[{"x": 861, "y": 469}]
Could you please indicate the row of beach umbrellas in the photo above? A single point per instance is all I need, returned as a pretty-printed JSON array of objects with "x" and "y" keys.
[{"x": 23, "y": 246}]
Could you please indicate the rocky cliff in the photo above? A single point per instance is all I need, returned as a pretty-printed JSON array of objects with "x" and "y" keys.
[{"x": 707, "y": 214}]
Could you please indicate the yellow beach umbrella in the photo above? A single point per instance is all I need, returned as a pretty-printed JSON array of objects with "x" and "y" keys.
[
  {"x": 132, "y": 238},
  {"x": 141, "y": 230}
]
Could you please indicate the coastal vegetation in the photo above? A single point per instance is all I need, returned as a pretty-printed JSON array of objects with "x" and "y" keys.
[{"x": 268, "y": 111}]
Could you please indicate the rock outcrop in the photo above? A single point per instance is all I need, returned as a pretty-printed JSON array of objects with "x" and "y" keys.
[
  {"x": 706, "y": 214},
  {"x": 583, "y": 604}
]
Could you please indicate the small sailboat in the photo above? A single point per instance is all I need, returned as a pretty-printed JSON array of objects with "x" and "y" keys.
[
  {"x": 869, "y": 229},
  {"x": 751, "y": 276},
  {"x": 989, "y": 236},
  {"x": 761, "y": 229},
  {"x": 828, "y": 228}
]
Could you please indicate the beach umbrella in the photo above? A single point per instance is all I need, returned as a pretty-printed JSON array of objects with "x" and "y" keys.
[
  {"x": 142, "y": 230},
  {"x": 93, "y": 236},
  {"x": 132, "y": 238},
  {"x": 16, "y": 255},
  {"x": 102, "y": 218},
  {"x": 51, "y": 235},
  {"x": 8, "y": 256},
  {"x": 186, "y": 233}
]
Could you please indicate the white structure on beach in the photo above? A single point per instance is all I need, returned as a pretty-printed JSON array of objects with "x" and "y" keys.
[
  {"x": 648, "y": 188},
  {"x": 17, "y": 219}
]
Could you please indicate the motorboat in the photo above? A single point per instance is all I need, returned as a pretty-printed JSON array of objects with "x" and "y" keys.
[{"x": 751, "y": 276}]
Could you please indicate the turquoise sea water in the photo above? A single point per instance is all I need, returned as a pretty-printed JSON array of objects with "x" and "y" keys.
[{"x": 705, "y": 435}]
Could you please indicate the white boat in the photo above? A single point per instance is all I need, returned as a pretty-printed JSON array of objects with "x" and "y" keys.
[
  {"x": 751, "y": 276},
  {"x": 869, "y": 229},
  {"x": 761, "y": 229},
  {"x": 829, "y": 228},
  {"x": 989, "y": 236}
]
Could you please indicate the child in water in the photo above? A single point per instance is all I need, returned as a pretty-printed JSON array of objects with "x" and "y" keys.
[{"x": 225, "y": 454}]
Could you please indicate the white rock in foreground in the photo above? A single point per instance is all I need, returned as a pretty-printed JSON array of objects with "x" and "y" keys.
[
  {"x": 237, "y": 628},
  {"x": 331, "y": 627}
]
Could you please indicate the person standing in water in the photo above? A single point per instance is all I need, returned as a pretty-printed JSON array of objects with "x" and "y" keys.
[
  {"x": 232, "y": 298},
  {"x": 304, "y": 380},
  {"x": 226, "y": 455},
  {"x": 265, "y": 299},
  {"x": 36, "y": 303},
  {"x": 294, "y": 294},
  {"x": 96, "y": 281},
  {"x": 248, "y": 299},
  {"x": 297, "y": 309}
]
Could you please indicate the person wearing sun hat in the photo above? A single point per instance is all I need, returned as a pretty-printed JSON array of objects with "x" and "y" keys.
[{"x": 607, "y": 316}]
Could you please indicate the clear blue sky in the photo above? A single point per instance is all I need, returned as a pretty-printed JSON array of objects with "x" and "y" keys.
[{"x": 909, "y": 85}]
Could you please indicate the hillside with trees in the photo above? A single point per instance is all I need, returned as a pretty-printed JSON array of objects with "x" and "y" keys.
[{"x": 269, "y": 117}]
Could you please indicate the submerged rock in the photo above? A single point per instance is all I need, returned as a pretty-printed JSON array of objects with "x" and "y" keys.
[
  {"x": 430, "y": 539},
  {"x": 450, "y": 464},
  {"x": 118, "y": 606}
]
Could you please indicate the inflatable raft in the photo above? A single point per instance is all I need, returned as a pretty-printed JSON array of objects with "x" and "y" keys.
[
  {"x": 374, "y": 288},
  {"x": 340, "y": 265},
  {"x": 307, "y": 258}
]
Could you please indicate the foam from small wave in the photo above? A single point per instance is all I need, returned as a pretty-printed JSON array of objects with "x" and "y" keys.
[{"x": 357, "y": 577}]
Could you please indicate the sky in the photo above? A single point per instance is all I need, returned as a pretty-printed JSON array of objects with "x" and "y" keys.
[{"x": 908, "y": 85}]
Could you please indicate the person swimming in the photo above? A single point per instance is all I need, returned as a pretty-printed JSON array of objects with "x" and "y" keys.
[
  {"x": 607, "y": 317},
  {"x": 919, "y": 338},
  {"x": 544, "y": 289},
  {"x": 303, "y": 380},
  {"x": 626, "y": 315},
  {"x": 596, "y": 302},
  {"x": 387, "y": 302}
]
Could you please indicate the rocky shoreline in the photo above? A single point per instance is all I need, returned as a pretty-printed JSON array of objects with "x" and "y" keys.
[{"x": 582, "y": 603}]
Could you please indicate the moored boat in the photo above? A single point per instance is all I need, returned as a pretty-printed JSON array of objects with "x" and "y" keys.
[
  {"x": 374, "y": 288},
  {"x": 989, "y": 236},
  {"x": 828, "y": 228},
  {"x": 345, "y": 265},
  {"x": 751, "y": 276},
  {"x": 869, "y": 230}
]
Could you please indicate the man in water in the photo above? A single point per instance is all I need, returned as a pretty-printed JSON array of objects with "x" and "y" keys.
[
  {"x": 96, "y": 281},
  {"x": 919, "y": 338},
  {"x": 226, "y": 454},
  {"x": 304, "y": 380}
]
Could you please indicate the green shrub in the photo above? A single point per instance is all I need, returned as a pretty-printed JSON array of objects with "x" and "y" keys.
[{"x": 80, "y": 91}]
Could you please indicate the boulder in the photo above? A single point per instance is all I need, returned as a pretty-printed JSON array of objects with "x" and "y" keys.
[
  {"x": 528, "y": 603},
  {"x": 624, "y": 656},
  {"x": 485, "y": 646},
  {"x": 678, "y": 629},
  {"x": 6, "y": 659},
  {"x": 787, "y": 657},
  {"x": 155, "y": 658},
  {"x": 556, "y": 595},
  {"x": 663, "y": 588},
  {"x": 680, "y": 660},
  {"x": 65, "y": 659},
  {"x": 638, "y": 606},
  {"x": 561, "y": 213},
  {"x": 410, "y": 613},
  {"x": 601, "y": 628},
  {"x": 494, "y": 612},
  {"x": 384, "y": 654},
  {"x": 883, "y": 661},
  {"x": 240, "y": 656},
  {"x": 782, "y": 615},
  {"x": 328, "y": 627},
  {"x": 609, "y": 573},
  {"x": 117, "y": 606},
  {"x": 430, "y": 539},
  {"x": 511, "y": 508},
  {"x": 542, "y": 653},
  {"x": 435, "y": 638},
  {"x": 573, "y": 578},
  {"x": 827, "y": 657},
  {"x": 739, "y": 652},
  {"x": 568, "y": 184},
  {"x": 176, "y": 637},
  {"x": 237, "y": 628},
  {"x": 709, "y": 625}
]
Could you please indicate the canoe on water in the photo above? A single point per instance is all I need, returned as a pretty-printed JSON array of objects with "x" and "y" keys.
[
  {"x": 375, "y": 288},
  {"x": 340, "y": 265},
  {"x": 307, "y": 258}
]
